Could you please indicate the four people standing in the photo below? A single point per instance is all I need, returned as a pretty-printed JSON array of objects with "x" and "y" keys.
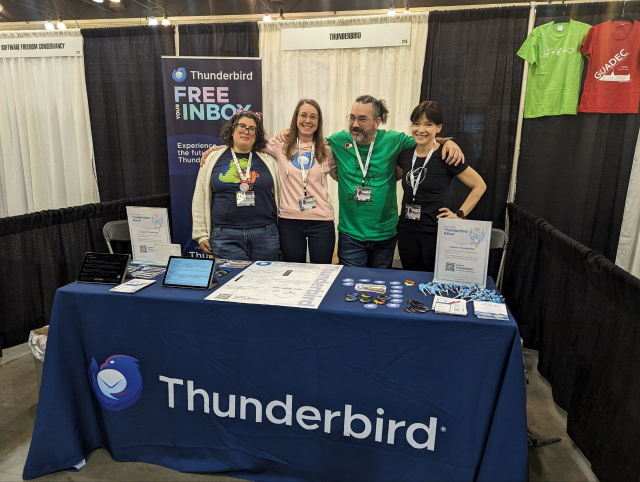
[{"x": 363, "y": 159}]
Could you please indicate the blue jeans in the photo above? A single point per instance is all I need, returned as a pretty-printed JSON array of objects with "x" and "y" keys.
[
  {"x": 248, "y": 244},
  {"x": 294, "y": 234},
  {"x": 369, "y": 254}
]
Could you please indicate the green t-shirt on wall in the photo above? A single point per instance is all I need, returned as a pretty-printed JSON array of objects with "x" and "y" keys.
[
  {"x": 555, "y": 73},
  {"x": 374, "y": 220}
]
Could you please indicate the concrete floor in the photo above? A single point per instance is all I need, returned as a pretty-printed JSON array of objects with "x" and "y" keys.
[{"x": 561, "y": 461}]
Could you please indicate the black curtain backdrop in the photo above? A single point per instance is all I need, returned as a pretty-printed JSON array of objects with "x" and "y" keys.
[
  {"x": 574, "y": 170},
  {"x": 580, "y": 312},
  {"x": 126, "y": 105},
  {"x": 472, "y": 71},
  {"x": 42, "y": 251},
  {"x": 219, "y": 39}
]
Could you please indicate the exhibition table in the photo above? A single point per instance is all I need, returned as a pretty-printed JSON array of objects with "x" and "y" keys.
[{"x": 273, "y": 393}]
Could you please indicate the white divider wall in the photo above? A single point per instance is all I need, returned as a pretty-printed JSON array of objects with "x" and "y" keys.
[
  {"x": 336, "y": 77},
  {"x": 46, "y": 149},
  {"x": 628, "y": 256}
]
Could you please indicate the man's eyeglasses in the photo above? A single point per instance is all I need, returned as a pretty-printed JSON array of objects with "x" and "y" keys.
[
  {"x": 242, "y": 128},
  {"x": 304, "y": 117},
  {"x": 361, "y": 119}
]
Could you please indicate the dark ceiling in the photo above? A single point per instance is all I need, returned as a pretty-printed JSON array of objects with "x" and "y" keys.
[{"x": 40, "y": 10}]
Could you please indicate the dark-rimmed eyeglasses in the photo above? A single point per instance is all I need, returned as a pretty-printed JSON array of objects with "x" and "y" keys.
[
  {"x": 361, "y": 119},
  {"x": 242, "y": 128}
]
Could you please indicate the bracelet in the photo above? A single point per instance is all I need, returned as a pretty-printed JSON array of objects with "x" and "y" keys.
[{"x": 447, "y": 139}]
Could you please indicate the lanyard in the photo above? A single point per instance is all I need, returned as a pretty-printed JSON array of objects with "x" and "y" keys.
[
  {"x": 244, "y": 176},
  {"x": 416, "y": 182},
  {"x": 305, "y": 172},
  {"x": 364, "y": 168}
]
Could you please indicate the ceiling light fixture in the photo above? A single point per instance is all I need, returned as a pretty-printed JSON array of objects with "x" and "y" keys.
[
  {"x": 267, "y": 17},
  {"x": 48, "y": 25},
  {"x": 153, "y": 21},
  {"x": 165, "y": 20},
  {"x": 392, "y": 11},
  {"x": 61, "y": 25}
]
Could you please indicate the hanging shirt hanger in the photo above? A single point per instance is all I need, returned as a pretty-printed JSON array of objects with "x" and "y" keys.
[
  {"x": 622, "y": 17},
  {"x": 564, "y": 18}
]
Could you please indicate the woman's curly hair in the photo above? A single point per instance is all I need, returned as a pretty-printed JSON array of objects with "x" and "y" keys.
[{"x": 227, "y": 130}]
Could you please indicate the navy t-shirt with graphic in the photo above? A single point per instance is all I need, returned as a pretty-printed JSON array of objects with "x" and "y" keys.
[
  {"x": 433, "y": 189},
  {"x": 225, "y": 183}
]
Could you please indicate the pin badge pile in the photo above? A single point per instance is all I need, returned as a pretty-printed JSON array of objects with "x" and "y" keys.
[{"x": 373, "y": 294}]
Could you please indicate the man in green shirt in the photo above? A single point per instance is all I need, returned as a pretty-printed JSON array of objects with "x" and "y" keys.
[{"x": 367, "y": 184}]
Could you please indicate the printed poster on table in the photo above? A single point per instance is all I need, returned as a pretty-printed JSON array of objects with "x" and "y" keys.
[
  {"x": 279, "y": 284},
  {"x": 200, "y": 95},
  {"x": 462, "y": 252},
  {"x": 148, "y": 227}
]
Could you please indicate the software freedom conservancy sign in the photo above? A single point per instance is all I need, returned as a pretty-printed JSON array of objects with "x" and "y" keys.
[{"x": 41, "y": 47}]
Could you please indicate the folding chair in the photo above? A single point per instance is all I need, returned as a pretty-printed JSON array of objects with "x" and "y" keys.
[
  {"x": 117, "y": 231},
  {"x": 499, "y": 241}
]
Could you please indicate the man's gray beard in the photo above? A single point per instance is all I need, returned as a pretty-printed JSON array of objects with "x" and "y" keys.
[{"x": 363, "y": 140}]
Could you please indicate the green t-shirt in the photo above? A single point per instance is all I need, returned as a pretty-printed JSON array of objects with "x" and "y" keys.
[
  {"x": 374, "y": 220},
  {"x": 555, "y": 73}
]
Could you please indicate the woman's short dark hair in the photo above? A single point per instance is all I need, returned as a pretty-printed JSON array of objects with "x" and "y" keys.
[
  {"x": 227, "y": 130},
  {"x": 379, "y": 106},
  {"x": 430, "y": 109}
]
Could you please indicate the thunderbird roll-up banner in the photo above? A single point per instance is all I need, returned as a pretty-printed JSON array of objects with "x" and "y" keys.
[{"x": 200, "y": 95}]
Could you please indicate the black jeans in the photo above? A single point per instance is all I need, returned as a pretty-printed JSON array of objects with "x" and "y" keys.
[
  {"x": 417, "y": 250},
  {"x": 294, "y": 235}
]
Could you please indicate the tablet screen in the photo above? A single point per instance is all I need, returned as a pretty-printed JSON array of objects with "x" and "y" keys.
[
  {"x": 103, "y": 268},
  {"x": 189, "y": 272}
]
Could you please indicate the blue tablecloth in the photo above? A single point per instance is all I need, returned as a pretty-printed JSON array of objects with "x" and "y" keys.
[{"x": 357, "y": 394}]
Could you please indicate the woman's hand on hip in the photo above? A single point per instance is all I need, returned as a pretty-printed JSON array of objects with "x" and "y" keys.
[{"x": 447, "y": 213}]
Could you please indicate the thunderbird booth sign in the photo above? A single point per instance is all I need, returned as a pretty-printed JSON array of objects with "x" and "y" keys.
[{"x": 200, "y": 95}]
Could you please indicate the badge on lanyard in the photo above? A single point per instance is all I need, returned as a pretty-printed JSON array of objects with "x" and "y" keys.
[
  {"x": 245, "y": 196},
  {"x": 363, "y": 194},
  {"x": 306, "y": 202},
  {"x": 412, "y": 211},
  {"x": 245, "y": 199}
]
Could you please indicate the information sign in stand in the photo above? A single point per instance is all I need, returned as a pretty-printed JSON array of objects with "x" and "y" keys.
[
  {"x": 148, "y": 228},
  {"x": 462, "y": 252}
]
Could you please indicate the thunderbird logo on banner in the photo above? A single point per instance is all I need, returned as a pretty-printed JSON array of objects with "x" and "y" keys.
[{"x": 200, "y": 95}]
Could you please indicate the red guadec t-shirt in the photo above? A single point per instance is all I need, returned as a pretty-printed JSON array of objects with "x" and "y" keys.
[{"x": 613, "y": 79}]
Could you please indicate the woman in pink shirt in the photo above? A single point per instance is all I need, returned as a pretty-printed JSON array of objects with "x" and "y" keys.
[
  {"x": 305, "y": 211},
  {"x": 304, "y": 162}
]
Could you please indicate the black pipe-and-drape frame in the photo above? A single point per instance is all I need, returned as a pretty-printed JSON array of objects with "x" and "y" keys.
[
  {"x": 472, "y": 71},
  {"x": 239, "y": 39},
  {"x": 43, "y": 251},
  {"x": 574, "y": 169},
  {"x": 123, "y": 69},
  {"x": 580, "y": 311}
]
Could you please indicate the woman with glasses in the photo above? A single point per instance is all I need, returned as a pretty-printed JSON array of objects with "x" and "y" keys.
[
  {"x": 235, "y": 202},
  {"x": 426, "y": 181},
  {"x": 306, "y": 213},
  {"x": 305, "y": 210}
]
